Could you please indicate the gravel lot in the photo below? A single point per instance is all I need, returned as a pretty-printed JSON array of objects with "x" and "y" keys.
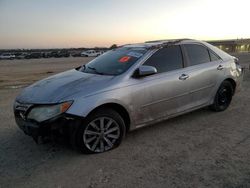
[{"x": 199, "y": 149}]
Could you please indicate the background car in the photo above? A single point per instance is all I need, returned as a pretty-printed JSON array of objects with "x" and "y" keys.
[
  {"x": 63, "y": 53},
  {"x": 7, "y": 56},
  {"x": 91, "y": 53},
  {"x": 75, "y": 54},
  {"x": 34, "y": 55},
  {"x": 21, "y": 55},
  {"x": 127, "y": 88}
]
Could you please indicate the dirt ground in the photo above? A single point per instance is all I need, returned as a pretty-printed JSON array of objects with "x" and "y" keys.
[{"x": 199, "y": 149}]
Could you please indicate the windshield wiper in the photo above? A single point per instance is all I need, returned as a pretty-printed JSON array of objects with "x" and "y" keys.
[
  {"x": 96, "y": 71},
  {"x": 83, "y": 67}
]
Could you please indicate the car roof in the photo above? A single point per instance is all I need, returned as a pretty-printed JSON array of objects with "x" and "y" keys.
[
  {"x": 162, "y": 43},
  {"x": 159, "y": 43}
]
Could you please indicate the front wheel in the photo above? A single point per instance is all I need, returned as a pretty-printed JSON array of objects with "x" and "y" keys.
[
  {"x": 101, "y": 131},
  {"x": 223, "y": 97}
]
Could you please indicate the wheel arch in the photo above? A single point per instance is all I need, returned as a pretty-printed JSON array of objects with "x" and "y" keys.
[
  {"x": 119, "y": 109},
  {"x": 233, "y": 82}
]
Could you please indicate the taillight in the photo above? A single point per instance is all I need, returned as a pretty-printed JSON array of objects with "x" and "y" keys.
[
  {"x": 238, "y": 66},
  {"x": 236, "y": 60}
]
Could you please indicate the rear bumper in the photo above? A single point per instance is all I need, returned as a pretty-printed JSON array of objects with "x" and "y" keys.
[{"x": 239, "y": 80}]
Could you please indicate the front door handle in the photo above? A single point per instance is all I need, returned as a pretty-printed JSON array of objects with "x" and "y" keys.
[
  {"x": 183, "y": 77},
  {"x": 220, "y": 67}
]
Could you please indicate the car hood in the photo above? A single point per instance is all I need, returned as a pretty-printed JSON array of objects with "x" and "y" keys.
[{"x": 61, "y": 86}]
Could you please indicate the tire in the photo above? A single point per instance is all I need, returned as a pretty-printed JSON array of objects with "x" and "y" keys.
[
  {"x": 223, "y": 97},
  {"x": 95, "y": 137}
]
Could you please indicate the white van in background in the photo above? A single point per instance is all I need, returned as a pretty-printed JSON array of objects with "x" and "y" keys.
[{"x": 91, "y": 53}]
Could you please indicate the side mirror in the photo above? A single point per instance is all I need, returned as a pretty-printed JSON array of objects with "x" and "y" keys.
[{"x": 145, "y": 70}]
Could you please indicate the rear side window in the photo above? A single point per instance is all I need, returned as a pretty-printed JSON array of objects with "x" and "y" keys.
[
  {"x": 197, "y": 54},
  {"x": 166, "y": 59}
]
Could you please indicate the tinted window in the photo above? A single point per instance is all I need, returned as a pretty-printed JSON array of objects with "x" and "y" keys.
[
  {"x": 166, "y": 59},
  {"x": 213, "y": 56},
  {"x": 197, "y": 54},
  {"x": 115, "y": 61}
]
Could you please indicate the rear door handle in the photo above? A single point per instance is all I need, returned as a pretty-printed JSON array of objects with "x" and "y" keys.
[
  {"x": 183, "y": 77},
  {"x": 220, "y": 67}
]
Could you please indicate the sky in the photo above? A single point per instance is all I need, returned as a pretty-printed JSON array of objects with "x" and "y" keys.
[{"x": 91, "y": 23}]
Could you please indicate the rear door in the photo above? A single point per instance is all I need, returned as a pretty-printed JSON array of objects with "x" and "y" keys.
[{"x": 204, "y": 70}]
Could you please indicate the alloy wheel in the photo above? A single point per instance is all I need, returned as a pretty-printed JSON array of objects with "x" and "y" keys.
[
  {"x": 101, "y": 134},
  {"x": 224, "y": 96}
]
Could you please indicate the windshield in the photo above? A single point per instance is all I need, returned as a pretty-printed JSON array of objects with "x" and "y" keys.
[{"x": 114, "y": 62}]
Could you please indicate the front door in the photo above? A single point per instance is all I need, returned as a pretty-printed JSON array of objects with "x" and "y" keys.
[{"x": 164, "y": 93}]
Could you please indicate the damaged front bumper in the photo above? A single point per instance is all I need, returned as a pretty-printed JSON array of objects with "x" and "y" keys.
[{"x": 65, "y": 125}]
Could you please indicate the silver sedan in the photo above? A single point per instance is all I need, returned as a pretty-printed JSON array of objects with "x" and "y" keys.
[{"x": 129, "y": 87}]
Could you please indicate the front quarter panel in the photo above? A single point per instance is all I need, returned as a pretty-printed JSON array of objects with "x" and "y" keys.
[{"x": 82, "y": 106}]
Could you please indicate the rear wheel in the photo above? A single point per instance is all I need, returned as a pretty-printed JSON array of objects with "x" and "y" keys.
[
  {"x": 223, "y": 97},
  {"x": 102, "y": 131}
]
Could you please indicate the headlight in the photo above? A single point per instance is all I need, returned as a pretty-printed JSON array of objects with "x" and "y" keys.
[{"x": 42, "y": 113}]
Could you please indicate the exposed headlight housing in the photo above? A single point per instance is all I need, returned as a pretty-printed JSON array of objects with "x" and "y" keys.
[{"x": 45, "y": 112}]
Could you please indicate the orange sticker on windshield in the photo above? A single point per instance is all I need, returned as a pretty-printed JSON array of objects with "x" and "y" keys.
[{"x": 124, "y": 59}]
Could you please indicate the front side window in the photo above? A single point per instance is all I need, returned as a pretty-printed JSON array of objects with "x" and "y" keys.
[
  {"x": 166, "y": 59},
  {"x": 197, "y": 54},
  {"x": 115, "y": 61},
  {"x": 213, "y": 57}
]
